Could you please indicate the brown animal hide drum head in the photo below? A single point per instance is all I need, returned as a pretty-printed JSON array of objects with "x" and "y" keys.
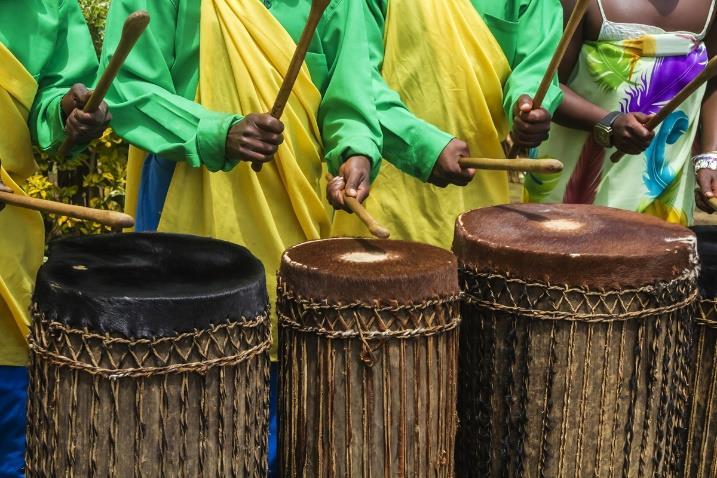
[
  {"x": 707, "y": 250},
  {"x": 576, "y": 245},
  {"x": 147, "y": 285},
  {"x": 369, "y": 270}
]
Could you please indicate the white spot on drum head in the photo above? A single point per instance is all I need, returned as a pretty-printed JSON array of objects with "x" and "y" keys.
[
  {"x": 79, "y": 267},
  {"x": 366, "y": 257},
  {"x": 562, "y": 225}
]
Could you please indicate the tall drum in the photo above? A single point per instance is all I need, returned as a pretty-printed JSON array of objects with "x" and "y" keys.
[
  {"x": 149, "y": 357},
  {"x": 574, "y": 342},
  {"x": 369, "y": 354},
  {"x": 702, "y": 432}
]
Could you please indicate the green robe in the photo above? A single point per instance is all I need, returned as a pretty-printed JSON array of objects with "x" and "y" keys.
[
  {"x": 152, "y": 99},
  {"x": 528, "y": 31},
  {"x": 51, "y": 39}
]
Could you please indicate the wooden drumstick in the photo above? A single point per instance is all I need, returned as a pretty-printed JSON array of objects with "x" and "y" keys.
[
  {"x": 709, "y": 72},
  {"x": 133, "y": 28},
  {"x": 113, "y": 219},
  {"x": 581, "y": 6},
  {"x": 517, "y": 164},
  {"x": 317, "y": 10},
  {"x": 373, "y": 226}
]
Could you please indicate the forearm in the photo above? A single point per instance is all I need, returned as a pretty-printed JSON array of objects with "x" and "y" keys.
[
  {"x": 708, "y": 120},
  {"x": 578, "y": 113}
]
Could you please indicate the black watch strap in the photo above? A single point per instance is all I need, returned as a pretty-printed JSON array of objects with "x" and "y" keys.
[{"x": 610, "y": 118}]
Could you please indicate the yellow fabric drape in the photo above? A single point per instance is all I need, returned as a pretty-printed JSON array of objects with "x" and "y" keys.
[
  {"x": 449, "y": 71},
  {"x": 244, "y": 53},
  {"x": 135, "y": 161},
  {"x": 22, "y": 233}
]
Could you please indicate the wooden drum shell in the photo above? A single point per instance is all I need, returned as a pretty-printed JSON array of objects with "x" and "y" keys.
[
  {"x": 560, "y": 374},
  {"x": 368, "y": 388}
]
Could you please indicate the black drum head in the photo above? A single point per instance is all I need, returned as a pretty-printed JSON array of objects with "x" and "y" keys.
[{"x": 146, "y": 285}]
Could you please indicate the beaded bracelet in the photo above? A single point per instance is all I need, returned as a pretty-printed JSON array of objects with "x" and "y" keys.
[{"x": 705, "y": 161}]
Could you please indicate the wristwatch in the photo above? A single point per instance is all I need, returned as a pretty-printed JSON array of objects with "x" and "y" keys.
[{"x": 602, "y": 132}]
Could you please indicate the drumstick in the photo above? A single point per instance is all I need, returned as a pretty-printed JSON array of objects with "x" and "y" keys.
[
  {"x": 709, "y": 72},
  {"x": 317, "y": 10},
  {"x": 373, "y": 226},
  {"x": 113, "y": 219},
  {"x": 517, "y": 164},
  {"x": 713, "y": 203},
  {"x": 581, "y": 6},
  {"x": 133, "y": 28}
]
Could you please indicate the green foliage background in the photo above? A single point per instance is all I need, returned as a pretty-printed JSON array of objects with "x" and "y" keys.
[{"x": 95, "y": 177}]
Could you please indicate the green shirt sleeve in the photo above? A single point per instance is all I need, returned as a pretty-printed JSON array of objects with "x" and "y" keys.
[
  {"x": 536, "y": 34},
  {"x": 147, "y": 110},
  {"x": 409, "y": 143},
  {"x": 72, "y": 61},
  {"x": 347, "y": 115}
]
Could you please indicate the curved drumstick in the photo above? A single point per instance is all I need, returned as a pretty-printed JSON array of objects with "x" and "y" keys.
[
  {"x": 709, "y": 72},
  {"x": 571, "y": 27},
  {"x": 133, "y": 28},
  {"x": 517, "y": 164},
  {"x": 113, "y": 219},
  {"x": 317, "y": 10},
  {"x": 374, "y": 227}
]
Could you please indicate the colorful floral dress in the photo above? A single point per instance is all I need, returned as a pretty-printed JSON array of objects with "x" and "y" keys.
[{"x": 631, "y": 68}]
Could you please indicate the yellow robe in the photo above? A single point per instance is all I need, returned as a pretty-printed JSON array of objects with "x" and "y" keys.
[
  {"x": 452, "y": 77},
  {"x": 21, "y": 231},
  {"x": 241, "y": 70}
]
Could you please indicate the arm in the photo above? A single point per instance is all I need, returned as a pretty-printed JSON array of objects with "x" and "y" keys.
[
  {"x": 707, "y": 178},
  {"x": 409, "y": 143},
  {"x": 72, "y": 62},
  {"x": 147, "y": 110},
  {"x": 629, "y": 133},
  {"x": 347, "y": 115},
  {"x": 533, "y": 54}
]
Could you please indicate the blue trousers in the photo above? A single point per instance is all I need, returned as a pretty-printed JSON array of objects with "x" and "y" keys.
[
  {"x": 274, "y": 421},
  {"x": 13, "y": 404}
]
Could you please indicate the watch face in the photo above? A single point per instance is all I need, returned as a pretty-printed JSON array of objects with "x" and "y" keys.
[{"x": 602, "y": 135}]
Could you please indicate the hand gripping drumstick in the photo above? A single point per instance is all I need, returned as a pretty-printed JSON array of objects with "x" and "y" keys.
[
  {"x": 357, "y": 208},
  {"x": 709, "y": 73},
  {"x": 133, "y": 28},
  {"x": 576, "y": 17},
  {"x": 517, "y": 164},
  {"x": 113, "y": 219},
  {"x": 317, "y": 10}
]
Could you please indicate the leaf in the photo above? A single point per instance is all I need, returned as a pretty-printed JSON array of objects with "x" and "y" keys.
[
  {"x": 610, "y": 65},
  {"x": 584, "y": 181}
]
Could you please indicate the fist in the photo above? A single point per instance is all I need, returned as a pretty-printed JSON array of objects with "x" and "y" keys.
[
  {"x": 256, "y": 138},
  {"x": 448, "y": 170},
  {"x": 353, "y": 181},
  {"x": 83, "y": 127},
  {"x": 629, "y": 134},
  {"x": 707, "y": 181},
  {"x": 530, "y": 126}
]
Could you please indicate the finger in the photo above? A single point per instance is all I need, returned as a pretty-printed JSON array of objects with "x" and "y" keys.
[
  {"x": 537, "y": 116},
  {"x": 702, "y": 203},
  {"x": 89, "y": 119},
  {"x": 642, "y": 117},
  {"x": 271, "y": 138},
  {"x": 269, "y": 123},
  {"x": 640, "y": 131},
  {"x": 705, "y": 183},
  {"x": 335, "y": 193},
  {"x": 253, "y": 156},
  {"x": 259, "y": 146},
  {"x": 80, "y": 95}
]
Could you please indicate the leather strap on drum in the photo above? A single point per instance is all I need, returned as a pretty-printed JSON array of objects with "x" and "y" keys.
[
  {"x": 708, "y": 313},
  {"x": 50, "y": 342},
  {"x": 555, "y": 302}
]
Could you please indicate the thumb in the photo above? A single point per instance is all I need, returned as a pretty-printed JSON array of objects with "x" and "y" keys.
[
  {"x": 525, "y": 104},
  {"x": 642, "y": 117},
  {"x": 352, "y": 183}
]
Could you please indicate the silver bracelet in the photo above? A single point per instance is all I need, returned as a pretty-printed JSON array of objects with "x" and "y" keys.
[{"x": 705, "y": 161}]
